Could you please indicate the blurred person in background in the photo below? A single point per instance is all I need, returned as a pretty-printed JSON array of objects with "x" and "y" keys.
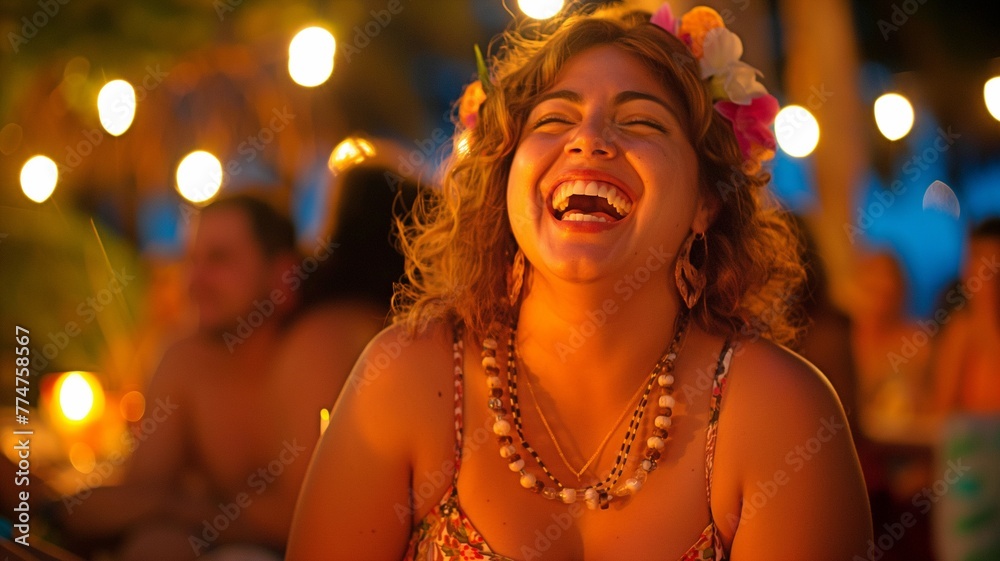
[
  {"x": 208, "y": 474},
  {"x": 892, "y": 367},
  {"x": 344, "y": 304},
  {"x": 967, "y": 377}
]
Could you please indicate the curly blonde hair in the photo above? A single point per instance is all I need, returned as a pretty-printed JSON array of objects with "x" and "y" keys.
[{"x": 459, "y": 245}]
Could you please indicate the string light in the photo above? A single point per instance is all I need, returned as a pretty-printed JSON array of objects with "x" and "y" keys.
[
  {"x": 796, "y": 130},
  {"x": 199, "y": 176},
  {"x": 991, "y": 93},
  {"x": 540, "y": 9},
  {"x": 38, "y": 178},
  {"x": 893, "y": 115},
  {"x": 310, "y": 56},
  {"x": 116, "y": 106}
]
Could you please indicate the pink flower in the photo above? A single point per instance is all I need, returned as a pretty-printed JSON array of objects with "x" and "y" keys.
[
  {"x": 664, "y": 18},
  {"x": 752, "y": 125}
]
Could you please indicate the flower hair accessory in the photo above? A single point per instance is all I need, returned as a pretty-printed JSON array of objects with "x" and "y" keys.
[
  {"x": 732, "y": 83},
  {"x": 474, "y": 94}
]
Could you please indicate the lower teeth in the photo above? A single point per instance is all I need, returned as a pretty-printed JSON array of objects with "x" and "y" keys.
[{"x": 581, "y": 217}]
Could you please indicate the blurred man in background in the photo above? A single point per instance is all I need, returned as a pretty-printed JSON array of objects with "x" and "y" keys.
[{"x": 209, "y": 474}]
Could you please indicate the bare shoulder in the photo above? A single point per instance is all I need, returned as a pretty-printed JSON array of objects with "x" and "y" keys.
[
  {"x": 411, "y": 370},
  {"x": 784, "y": 447},
  {"x": 771, "y": 387}
]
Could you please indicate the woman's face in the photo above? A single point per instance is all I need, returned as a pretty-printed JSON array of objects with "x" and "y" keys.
[{"x": 604, "y": 180}]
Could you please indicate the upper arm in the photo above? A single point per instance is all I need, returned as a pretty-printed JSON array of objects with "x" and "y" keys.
[
  {"x": 800, "y": 483},
  {"x": 159, "y": 437},
  {"x": 355, "y": 502}
]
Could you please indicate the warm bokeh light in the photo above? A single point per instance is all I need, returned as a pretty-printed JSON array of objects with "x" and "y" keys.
[
  {"x": 796, "y": 130},
  {"x": 132, "y": 406},
  {"x": 116, "y": 106},
  {"x": 351, "y": 151},
  {"x": 82, "y": 457},
  {"x": 79, "y": 395},
  {"x": 540, "y": 9},
  {"x": 310, "y": 56},
  {"x": 893, "y": 115},
  {"x": 199, "y": 176},
  {"x": 462, "y": 144},
  {"x": 991, "y": 93},
  {"x": 38, "y": 178},
  {"x": 324, "y": 420}
]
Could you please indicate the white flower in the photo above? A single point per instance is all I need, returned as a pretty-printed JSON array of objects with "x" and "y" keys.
[
  {"x": 721, "y": 49},
  {"x": 739, "y": 82}
]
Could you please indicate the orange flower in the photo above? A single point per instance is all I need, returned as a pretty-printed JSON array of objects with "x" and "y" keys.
[
  {"x": 468, "y": 108},
  {"x": 696, "y": 24}
]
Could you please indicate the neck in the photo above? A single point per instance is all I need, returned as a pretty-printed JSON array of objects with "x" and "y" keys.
[{"x": 597, "y": 339}]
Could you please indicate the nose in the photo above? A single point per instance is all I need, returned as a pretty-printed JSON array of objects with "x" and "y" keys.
[{"x": 592, "y": 140}]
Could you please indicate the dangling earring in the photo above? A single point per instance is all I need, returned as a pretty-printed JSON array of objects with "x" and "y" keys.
[
  {"x": 515, "y": 278},
  {"x": 691, "y": 280}
]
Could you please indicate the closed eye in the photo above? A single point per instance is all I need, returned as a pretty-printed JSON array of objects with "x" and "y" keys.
[
  {"x": 645, "y": 122},
  {"x": 549, "y": 119}
]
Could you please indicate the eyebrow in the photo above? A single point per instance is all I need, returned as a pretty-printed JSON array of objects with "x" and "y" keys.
[{"x": 621, "y": 98}]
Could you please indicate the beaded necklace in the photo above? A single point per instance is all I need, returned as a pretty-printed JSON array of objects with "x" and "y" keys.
[{"x": 601, "y": 494}]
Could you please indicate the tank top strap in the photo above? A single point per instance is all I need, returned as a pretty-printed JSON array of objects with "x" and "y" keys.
[
  {"x": 459, "y": 356},
  {"x": 718, "y": 387}
]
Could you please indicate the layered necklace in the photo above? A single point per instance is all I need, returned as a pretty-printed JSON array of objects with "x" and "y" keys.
[{"x": 598, "y": 495}]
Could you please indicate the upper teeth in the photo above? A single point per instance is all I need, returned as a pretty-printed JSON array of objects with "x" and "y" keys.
[{"x": 560, "y": 198}]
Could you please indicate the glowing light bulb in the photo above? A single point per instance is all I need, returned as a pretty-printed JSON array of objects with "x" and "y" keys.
[
  {"x": 38, "y": 178},
  {"x": 893, "y": 115},
  {"x": 540, "y": 9},
  {"x": 76, "y": 396},
  {"x": 199, "y": 176},
  {"x": 991, "y": 93},
  {"x": 116, "y": 106},
  {"x": 796, "y": 130},
  {"x": 351, "y": 151},
  {"x": 310, "y": 56}
]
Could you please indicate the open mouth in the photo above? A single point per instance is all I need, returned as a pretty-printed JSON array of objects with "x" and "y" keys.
[{"x": 589, "y": 201}]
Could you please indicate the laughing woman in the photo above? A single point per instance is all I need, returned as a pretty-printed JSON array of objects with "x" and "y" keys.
[{"x": 586, "y": 363}]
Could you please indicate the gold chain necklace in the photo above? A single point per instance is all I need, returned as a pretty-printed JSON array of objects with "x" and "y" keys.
[{"x": 579, "y": 472}]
